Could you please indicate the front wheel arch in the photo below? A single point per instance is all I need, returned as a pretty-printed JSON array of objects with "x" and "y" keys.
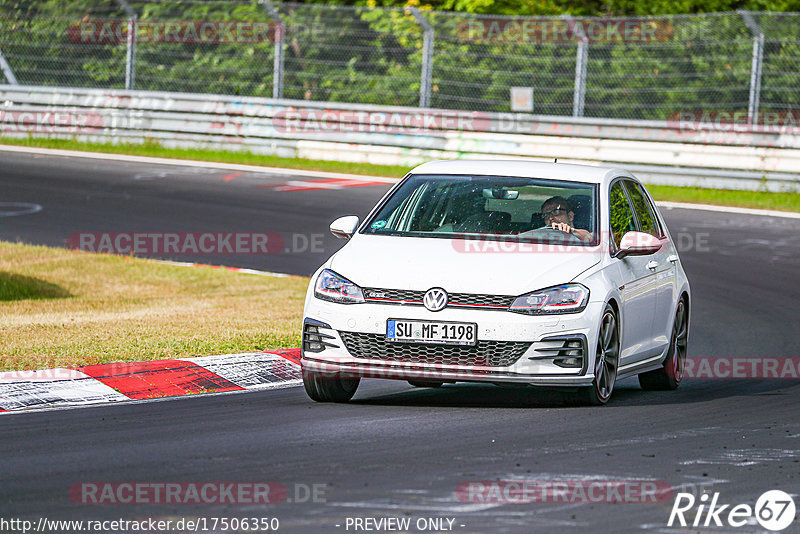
[{"x": 606, "y": 359}]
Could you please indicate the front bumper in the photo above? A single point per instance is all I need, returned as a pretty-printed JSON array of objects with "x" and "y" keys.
[{"x": 533, "y": 367}]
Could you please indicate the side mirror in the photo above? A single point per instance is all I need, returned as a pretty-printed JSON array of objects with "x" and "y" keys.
[
  {"x": 638, "y": 244},
  {"x": 344, "y": 227}
]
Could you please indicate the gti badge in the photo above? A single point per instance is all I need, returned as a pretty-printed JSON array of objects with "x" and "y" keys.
[{"x": 435, "y": 299}]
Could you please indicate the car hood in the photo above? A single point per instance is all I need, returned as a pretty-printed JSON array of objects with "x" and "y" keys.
[{"x": 459, "y": 266}]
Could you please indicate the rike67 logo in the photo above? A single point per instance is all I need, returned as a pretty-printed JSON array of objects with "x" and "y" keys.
[{"x": 774, "y": 510}]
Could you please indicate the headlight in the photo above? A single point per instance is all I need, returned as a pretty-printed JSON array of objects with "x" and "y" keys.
[
  {"x": 330, "y": 286},
  {"x": 568, "y": 298}
]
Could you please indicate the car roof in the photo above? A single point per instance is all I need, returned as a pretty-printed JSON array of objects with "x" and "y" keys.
[{"x": 527, "y": 169}]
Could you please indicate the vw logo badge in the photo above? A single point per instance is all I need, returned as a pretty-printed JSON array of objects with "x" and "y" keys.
[{"x": 435, "y": 299}]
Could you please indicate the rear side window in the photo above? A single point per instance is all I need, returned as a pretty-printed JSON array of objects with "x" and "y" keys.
[
  {"x": 643, "y": 210},
  {"x": 621, "y": 215}
]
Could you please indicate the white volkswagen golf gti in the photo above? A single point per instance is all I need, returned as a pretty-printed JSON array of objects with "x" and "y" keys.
[{"x": 507, "y": 272}]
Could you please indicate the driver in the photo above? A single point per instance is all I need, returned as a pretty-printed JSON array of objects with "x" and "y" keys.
[{"x": 558, "y": 213}]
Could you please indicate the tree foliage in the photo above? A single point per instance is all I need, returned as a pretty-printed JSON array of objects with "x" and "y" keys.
[{"x": 355, "y": 53}]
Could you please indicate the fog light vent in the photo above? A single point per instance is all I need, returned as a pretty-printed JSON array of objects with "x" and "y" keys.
[
  {"x": 567, "y": 351},
  {"x": 315, "y": 336}
]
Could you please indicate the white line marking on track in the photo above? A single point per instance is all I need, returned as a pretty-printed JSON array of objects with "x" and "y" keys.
[
  {"x": 12, "y": 209},
  {"x": 729, "y": 209},
  {"x": 237, "y": 269}
]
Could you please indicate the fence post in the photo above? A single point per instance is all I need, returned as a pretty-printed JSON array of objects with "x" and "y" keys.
[
  {"x": 581, "y": 60},
  {"x": 130, "y": 53},
  {"x": 579, "y": 94},
  {"x": 7, "y": 72},
  {"x": 277, "y": 63},
  {"x": 754, "y": 101},
  {"x": 427, "y": 58}
]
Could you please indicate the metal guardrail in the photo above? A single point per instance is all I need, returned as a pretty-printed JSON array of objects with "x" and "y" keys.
[{"x": 745, "y": 158}]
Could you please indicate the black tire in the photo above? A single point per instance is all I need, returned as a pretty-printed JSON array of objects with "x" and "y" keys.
[
  {"x": 329, "y": 387},
  {"x": 606, "y": 361},
  {"x": 425, "y": 383},
  {"x": 669, "y": 376}
]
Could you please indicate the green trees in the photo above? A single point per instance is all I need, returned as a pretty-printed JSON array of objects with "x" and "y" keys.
[{"x": 361, "y": 54}]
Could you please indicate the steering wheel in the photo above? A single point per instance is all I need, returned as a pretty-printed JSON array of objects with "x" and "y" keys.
[{"x": 553, "y": 232}]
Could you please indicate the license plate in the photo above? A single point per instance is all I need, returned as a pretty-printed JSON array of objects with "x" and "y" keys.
[{"x": 437, "y": 332}]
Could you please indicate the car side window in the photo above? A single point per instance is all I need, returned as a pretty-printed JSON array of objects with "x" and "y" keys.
[
  {"x": 643, "y": 210},
  {"x": 621, "y": 215}
]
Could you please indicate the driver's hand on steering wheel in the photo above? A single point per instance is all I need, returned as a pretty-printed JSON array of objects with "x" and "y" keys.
[
  {"x": 564, "y": 227},
  {"x": 583, "y": 235}
]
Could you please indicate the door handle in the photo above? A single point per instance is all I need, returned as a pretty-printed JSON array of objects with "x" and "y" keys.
[
  {"x": 673, "y": 258},
  {"x": 652, "y": 265}
]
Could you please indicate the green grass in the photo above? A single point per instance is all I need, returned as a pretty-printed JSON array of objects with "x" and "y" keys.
[
  {"x": 723, "y": 197},
  {"x": 727, "y": 197},
  {"x": 63, "y": 308},
  {"x": 154, "y": 149},
  {"x": 17, "y": 287}
]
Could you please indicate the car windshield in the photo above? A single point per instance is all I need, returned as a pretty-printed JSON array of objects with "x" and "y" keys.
[{"x": 501, "y": 207}]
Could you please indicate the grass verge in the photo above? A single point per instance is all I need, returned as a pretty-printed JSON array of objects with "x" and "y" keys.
[
  {"x": 154, "y": 149},
  {"x": 62, "y": 308},
  {"x": 722, "y": 197}
]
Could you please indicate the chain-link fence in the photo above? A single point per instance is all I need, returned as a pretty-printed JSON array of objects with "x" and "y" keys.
[{"x": 633, "y": 68}]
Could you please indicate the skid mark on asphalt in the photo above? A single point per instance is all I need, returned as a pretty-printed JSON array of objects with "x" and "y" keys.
[
  {"x": 161, "y": 378},
  {"x": 742, "y": 457},
  {"x": 575, "y": 447},
  {"x": 327, "y": 183}
]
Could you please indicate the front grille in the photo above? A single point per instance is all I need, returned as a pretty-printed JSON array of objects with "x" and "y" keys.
[
  {"x": 402, "y": 296},
  {"x": 481, "y": 300},
  {"x": 371, "y": 293},
  {"x": 485, "y": 353}
]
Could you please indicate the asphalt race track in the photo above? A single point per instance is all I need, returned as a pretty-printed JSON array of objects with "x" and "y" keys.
[{"x": 397, "y": 451}]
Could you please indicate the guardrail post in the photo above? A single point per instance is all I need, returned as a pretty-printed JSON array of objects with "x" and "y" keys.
[
  {"x": 130, "y": 53},
  {"x": 754, "y": 101},
  {"x": 277, "y": 63},
  {"x": 427, "y": 58},
  {"x": 7, "y": 72}
]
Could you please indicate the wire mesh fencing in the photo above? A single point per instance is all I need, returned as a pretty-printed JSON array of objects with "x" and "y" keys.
[{"x": 624, "y": 68}]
